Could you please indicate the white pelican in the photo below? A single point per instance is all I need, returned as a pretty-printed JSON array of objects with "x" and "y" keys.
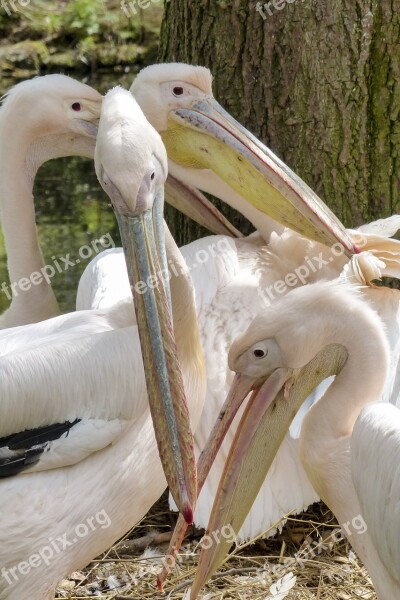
[
  {"x": 232, "y": 278},
  {"x": 79, "y": 463},
  {"x": 350, "y": 448},
  {"x": 44, "y": 118}
]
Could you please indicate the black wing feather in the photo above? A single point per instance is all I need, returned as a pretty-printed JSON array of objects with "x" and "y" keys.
[{"x": 23, "y": 449}]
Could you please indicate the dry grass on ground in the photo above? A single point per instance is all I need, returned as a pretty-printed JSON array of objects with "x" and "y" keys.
[{"x": 127, "y": 571}]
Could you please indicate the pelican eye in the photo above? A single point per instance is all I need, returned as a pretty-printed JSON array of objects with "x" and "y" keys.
[
  {"x": 152, "y": 176},
  {"x": 76, "y": 106},
  {"x": 178, "y": 91},
  {"x": 259, "y": 353}
]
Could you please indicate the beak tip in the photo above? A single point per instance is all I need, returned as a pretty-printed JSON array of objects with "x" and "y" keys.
[
  {"x": 187, "y": 512},
  {"x": 160, "y": 584}
]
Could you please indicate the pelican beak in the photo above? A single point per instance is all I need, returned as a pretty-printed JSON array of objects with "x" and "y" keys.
[
  {"x": 196, "y": 206},
  {"x": 205, "y": 136},
  {"x": 242, "y": 386},
  {"x": 89, "y": 128},
  {"x": 263, "y": 426},
  {"x": 142, "y": 236}
]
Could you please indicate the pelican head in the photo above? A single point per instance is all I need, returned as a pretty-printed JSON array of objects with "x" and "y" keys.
[
  {"x": 131, "y": 165},
  {"x": 201, "y": 137},
  {"x": 58, "y": 106}
]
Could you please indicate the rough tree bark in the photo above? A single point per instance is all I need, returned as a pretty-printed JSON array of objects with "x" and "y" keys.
[{"x": 318, "y": 81}]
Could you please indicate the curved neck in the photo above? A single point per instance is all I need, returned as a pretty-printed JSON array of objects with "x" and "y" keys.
[
  {"x": 209, "y": 182},
  {"x": 327, "y": 427},
  {"x": 21, "y": 154},
  {"x": 362, "y": 379}
]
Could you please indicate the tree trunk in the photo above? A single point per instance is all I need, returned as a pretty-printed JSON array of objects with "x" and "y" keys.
[{"x": 317, "y": 81}]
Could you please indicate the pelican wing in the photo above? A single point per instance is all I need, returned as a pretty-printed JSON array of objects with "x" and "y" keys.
[
  {"x": 375, "y": 457},
  {"x": 387, "y": 227},
  {"x": 66, "y": 390}
]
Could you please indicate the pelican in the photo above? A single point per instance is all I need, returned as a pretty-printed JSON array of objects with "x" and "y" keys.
[
  {"x": 42, "y": 119},
  {"x": 237, "y": 278},
  {"x": 350, "y": 439},
  {"x": 79, "y": 463}
]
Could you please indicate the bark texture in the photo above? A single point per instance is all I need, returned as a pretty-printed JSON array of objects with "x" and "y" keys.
[{"x": 318, "y": 81}]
